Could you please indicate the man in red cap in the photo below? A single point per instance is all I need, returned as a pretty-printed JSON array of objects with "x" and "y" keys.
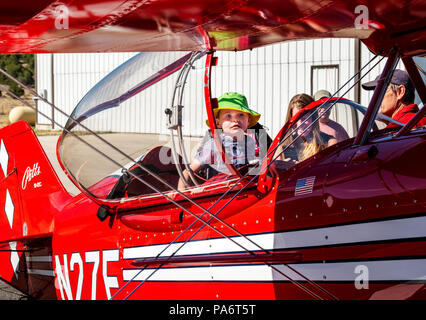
[{"x": 398, "y": 101}]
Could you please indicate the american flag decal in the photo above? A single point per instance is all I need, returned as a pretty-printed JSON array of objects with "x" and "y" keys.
[{"x": 304, "y": 186}]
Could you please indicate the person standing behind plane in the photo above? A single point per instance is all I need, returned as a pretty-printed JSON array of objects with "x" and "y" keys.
[
  {"x": 398, "y": 101},
  {"x": 233, "y": 117},
  {"x": 327, "y": 125}
]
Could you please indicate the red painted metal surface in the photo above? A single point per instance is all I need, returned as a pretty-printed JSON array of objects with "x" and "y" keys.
[
  {"x": 90, "y": 259},
  {"x": 366, "y": 210},
  {"x": 162, "y": 25}
]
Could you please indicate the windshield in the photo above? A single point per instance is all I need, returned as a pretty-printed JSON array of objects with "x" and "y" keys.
[{"x": 122, "y": 120}]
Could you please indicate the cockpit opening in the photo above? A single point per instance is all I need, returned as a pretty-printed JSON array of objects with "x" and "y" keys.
[{"x": 112, "y": 160}]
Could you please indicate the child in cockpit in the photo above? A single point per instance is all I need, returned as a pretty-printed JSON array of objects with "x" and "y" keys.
[{"x": 233, "y": 118}]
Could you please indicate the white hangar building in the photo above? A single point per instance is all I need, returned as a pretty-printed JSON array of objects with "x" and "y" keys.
[{"x": 269, "y": 77}]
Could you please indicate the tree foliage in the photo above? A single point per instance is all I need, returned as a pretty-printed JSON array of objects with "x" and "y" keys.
[{"x": 20, "y": 66}]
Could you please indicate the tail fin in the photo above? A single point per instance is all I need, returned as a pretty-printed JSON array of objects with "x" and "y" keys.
[{"x": 31, "y": 195}]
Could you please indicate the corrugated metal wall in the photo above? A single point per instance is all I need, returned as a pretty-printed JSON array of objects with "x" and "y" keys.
[
  {"x": 44, "y": 87},
  {"x": 269, "y": 76},
  {"x": 365, "y": 57},
  {"x": 272, "y": 75}
]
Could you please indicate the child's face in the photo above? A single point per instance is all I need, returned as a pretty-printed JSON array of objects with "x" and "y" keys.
[{"x": 233, "y": 123}]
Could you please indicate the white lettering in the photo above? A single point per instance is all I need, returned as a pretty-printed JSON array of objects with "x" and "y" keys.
[
  {"x": 29, "y": 174},
  {"x": 109, "y": 281},
  {"x": 361, "y": 281},
  {"x": 93, "y": 257},
  {"x": 76, "y": 259},
  {"x": 62, "y": 17},
  {"x": 186, "y": 310},
  {"x": 361, "y": 21},
  {"x": 62, "y": 279}
]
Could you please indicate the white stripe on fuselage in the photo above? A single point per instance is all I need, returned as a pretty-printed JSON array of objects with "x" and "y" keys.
[
  {"x": 407, "y": 228},
  {"x": 388, "y": 270}
]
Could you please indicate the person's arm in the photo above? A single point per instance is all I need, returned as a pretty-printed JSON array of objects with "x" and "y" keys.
[
  {"x": 331, "y": 142},
  {"x": 195, "y": 165}
]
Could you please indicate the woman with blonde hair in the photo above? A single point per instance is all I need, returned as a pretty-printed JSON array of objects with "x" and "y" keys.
[
  {"x": 311, "y": 139},
  {"x": 298, "y": 102}
]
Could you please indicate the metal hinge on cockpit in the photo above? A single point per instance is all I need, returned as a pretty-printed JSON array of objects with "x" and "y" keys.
[
  {"x": 174, "y": 123},
  {"x": 174, "y": 117}
]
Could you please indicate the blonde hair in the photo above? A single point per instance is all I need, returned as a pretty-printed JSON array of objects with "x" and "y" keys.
[
  {"x": 316, "y": 144},
  {"x": 299, "y": 100},
  {"x": 312, "y": 147}
]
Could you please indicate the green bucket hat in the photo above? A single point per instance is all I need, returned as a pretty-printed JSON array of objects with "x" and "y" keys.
[{"x": 236, "y": 101}]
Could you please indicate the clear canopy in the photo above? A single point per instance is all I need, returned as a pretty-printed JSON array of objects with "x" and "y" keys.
[{"x": 122, "y": 119}]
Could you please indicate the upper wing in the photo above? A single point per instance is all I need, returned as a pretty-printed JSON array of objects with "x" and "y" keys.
[{"x": 29, "y": 26}]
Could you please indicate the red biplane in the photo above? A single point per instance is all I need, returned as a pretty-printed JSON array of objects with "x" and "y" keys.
[{"x": 346, "y": 223}]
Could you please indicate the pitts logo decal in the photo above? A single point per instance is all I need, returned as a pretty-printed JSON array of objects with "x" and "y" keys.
[{"x": 29, "y": 174}]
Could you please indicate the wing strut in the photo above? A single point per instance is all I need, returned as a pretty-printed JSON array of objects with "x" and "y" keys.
[{"x": 175, "y": 119}]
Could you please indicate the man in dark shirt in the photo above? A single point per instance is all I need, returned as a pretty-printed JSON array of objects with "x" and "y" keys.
[{"x": 398, "y": 101}]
